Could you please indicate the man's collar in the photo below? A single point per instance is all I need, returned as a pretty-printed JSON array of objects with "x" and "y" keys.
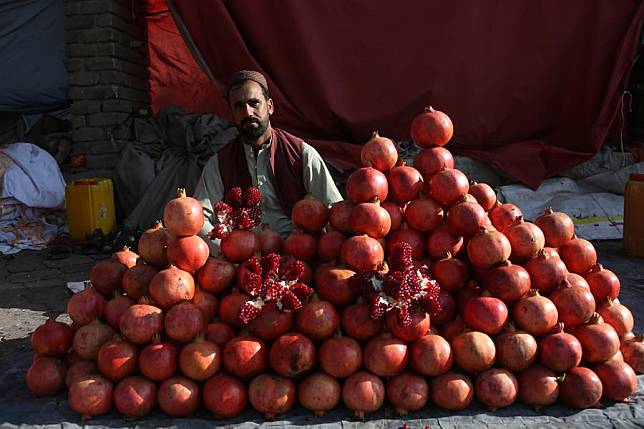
[{"x": 249, "y": 149}]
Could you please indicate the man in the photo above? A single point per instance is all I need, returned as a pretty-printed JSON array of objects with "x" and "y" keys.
[{"x": 282, "y": 166}]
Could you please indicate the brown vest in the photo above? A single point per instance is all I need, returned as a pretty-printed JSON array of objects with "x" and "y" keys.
[{"x": 286, "y": 165}]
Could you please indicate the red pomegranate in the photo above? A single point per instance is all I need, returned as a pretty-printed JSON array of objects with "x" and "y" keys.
[
  {"x": 229, "y": 308},
  {"x": 216, "y": 276},
  {"x": 488, "y": 248},
  {"x": 407, "y": 392},
  {"x": 599, "y": 341},
  {"x": 405, "y": 183},
  {"x": 473, "y": 351},
  {"x": 466, "y": 218},
  {"x": 183, "y": 215},
  {"x": 508, "y": 282},
  {"x": 319, "y": 393},
  {"x": 451, "y": 391},
  {"x": 207, "y": 303},
  {"x": 333, "y": 285},
  {"x": 379, "y": 152},
  {"x": 271, "y": 322},
  {"x": 79, "y": 370},
  {"x": 431, "y": 355},
  {"x": 106, "y": 276},
  {"x": 484, "y": 195},
  {"x": 301, "y": 246},
  {"x": 440, "y": 241},
  {"x": 538, "y": 386},
  {"x": 414, "y": 238},
  {"x": 317, "y": 319},
  {"x": 188, "y": 253},
  {"x": 453, "y": 328},
  {"x": 446, "y": 312},
  {"x": 396, "y": 214},
  {"x": 364, "y": 185},
  {"x": 340, "y": 356},
  {"x": 269, "y": 241},
  {"x": 579, "y": 255},
  {"x": 136, "y": 280},
  {"x": 240, "y": 245},
  {"x": 171, "y": 286},
  {"x": 135, "y": 397},
  {"x": 141, "y": 322},
  {"x": 153, "y": 244},
  {"x": 158, "y": 361},
  {"x": 224, "y": 396},
  {"x": 52, "y": 338},
  {"x": 581, "y": 388},
  {"x": 451, "y": 274},
  {"x": 385, "y": 356},
  {"x": 575, "y": 305},
  {"x": 117, "y": 359},
  {"x": 432, "y": 160},
  {"x": 91, "y": 396},
  {"x": 46, "y": 376},
  {"x": 86, "y": 305},
  {"x": 617, "y": 316},
  {"x": 502, "y": 215},
  {"x": 424, "y": 214},
  {"x": 370, "y": 219},
  {"x": 431, "y": 128},
  {"x": 126, "y": 257},
  {"x": 448, "y": 186},
  {"x": 219, "y": 333},
  {"x": 310, "y": 214},
  {"x": 358, "y": 324},
  {"x": 245, "y": 356},
  {"x": 560, "y": 351},
  {"x": 183, "y": 322},
  {"x": 419, "y": 326},
  {"x": 577, "y": 280},
  {"x": 200, "y": 359},
  {"x": 603, "y": 283},
  {"x": 89, "y": 338},
  {"x": 115, "y": 309},
  {"x": 363, "y": 393},
  {"x": 292, "y": 355},
  {"x": 557, "y": 227},
  {"x": 178, "y": 396},
  {"x": 535, "y": 314},
  {"x": 339, "y": 215},
  {"x": 486, "y": 314},
  {"x": 618, "y": 379},
  {"x": 329, "y": 245},
  {"x": 633, "y": 351},
  {"x": 271, "y": 395},
  {"x": 515, "y": 350},
  {"x": 496, "y": 388},
  {"x": 362, "y": 252},
  {"x": 525, "y": 238},
  {"x": 546, "y": 270}
]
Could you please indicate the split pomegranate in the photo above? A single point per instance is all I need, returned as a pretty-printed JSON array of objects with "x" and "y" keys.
[
  {"x": 633, "y": 352},
  {"x": 178, "y": 396},
  {"x": 451, "y": 391},
  {"x": 575, "y": 305},
  {"x": 557, "y": 227},
  {"x": 407, "y": 392},
  {"x": 269, "y": 241},
  {"x": 91, "y": 396},
  {"x": 183, "y": 322},
  {"x": 484, "y": 195},
  {"x": 405, "y": 183},
  {"x": 515, "y": 350},
  {"x": 488, "y": 248},
  {"x": 440, "y": 241},
  {"x": 414, "y": 238},
  {"x": 525, "y": 238},
  {"x": 579, "y": 255},
  {"x": 362, "y": 252},
  {"x": 431, "y": 128},
  {"x": 546, "y": 270},
  {"x": 396, "y": 214},
  {"x": 603, "y": 283},
  {"x": 117, "y": 359},
  {"x": 424, "y": 214},
  {"x": 171, "y": 286},
  {"x": 115, "y": 309},
  {"x": 465, "y": 218},
  {"x": 379, "y": 152},
  {"x": 292, "y": 355},
  {"x": 617, "y": 316},
  {"x": 52, "y": 338},
  {"x": 240, "y": 245},
  {"x": 364, "y": 185},
  {"x": 502, "y": 215},
  {"x": 496, "y": 388},
  {"x": 188, "y": 253},
  {"x": 486, "y": 314},
  {"x": 473, "y": 351},
  {"x": 448, "y": 186},
  {"x": 136, "y": 280},
  {"x": 329, "y": 246},
  {"x": 319, "y": 393},
  {"x": 385, "y": 356},
  {"x": 358, "y": 324},
  {"x": 229, "y": 308},
  {"x": 106, "y": 276},
  {"x": 340, "y": 356},
  {"x": 560, "y": 351},
  {"x": 333, "y": 285},
  {"x": 618, "y": 379},
  {"x": 271, "y": 322},
  {"x": 224, "y": 396},
  {"x": 245, "y": 356},
  {"x": 86, "y": 305},
  {"x": 363, "y": 393},
  {"x": 538, "y": 386},
  {"x": 79, "y": 370},
  {"x": 200, "y": 359},
  {"x": 89, "y": 338},
  {"x": 599, "y": 341},
  {"x": 339, "y": 216},
  {"x": 135, "y": 397},
  {"x": 431, "y": 355},
  {"x": 581, "y": 388},
  {"x": 418, "y": 328},
  {"x": 370, "y": 219},
  {"x": 301, "y": 246},
  {"x": 310, "y": 214},
  {"x": 216, "y": 276},
  {"x": 141, "y": 322},
  {"x": 317, "y": 319},
  {"x": 432, "y": 160},
  {"x": 535, "y": 314},
  {"x": 158, "y": 361},
  {"x": 153, "y": 244},
  {"x": 219, "y": 333},
  {"x": 508, "y": 282},
  {"x": 183, "y": 215},
  {"x": 271, "y": 395},
  {"x": 46, "y": 376}
]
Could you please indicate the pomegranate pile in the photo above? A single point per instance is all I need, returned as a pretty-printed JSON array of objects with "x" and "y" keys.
[{"x": 421, "y": 289}]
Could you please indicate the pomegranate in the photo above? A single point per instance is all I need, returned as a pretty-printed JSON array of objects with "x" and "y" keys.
[
  {"x": 538, "y": 386},
  {"x": 319, "y": 393},
  {"x": 465, "y": 218},
  {"x": 126, "y": 257},
  {"x": 515, "y": 350},
  {"x": 488, "y": 248},
  {"x": 557, "y": 227},
  {"x": 453, "y": 328},
  {"x": 396, "y": 214},
  {"x": 79, "y": 370},
  {"x": 633, "y": 352},
  {"x": 405, "y": 183},
  {"x": 431, "y": 128},
  {"x": 136, "y": 280},
  {"x": 117, "y": 359},
  {"x": 431, "y": 355},
  {"x": 183, "y": 322},
  {"x": 535, "y": 314},
  {"x": 224, "y": 396},
  {"x": 86, "y": 305},
  {"x": 379, "y": 152},
  {"x": 245, "y": 356},
  {"x": 116, "y": 307},
  {"x": 432, "y": 160},
  {"x": 216, "y": 276},
  {"x": 414, "y": 238},
  {"x": 370, "y": 219},
  {"x": 317, "y": 319},
  {"x": 52, "y": 338},
  {"x": 603, "y": 283},
  {"x": 329, "y": 246},
  {"x": 106, "y": 276},
  {"x": 618, "y": 379},
  {"x": 292, "y": 355},
  {"x": 440, "y": 241},
  {"x": 178, "y": 396},
  {"x": 575, "y": 305},
  {"x": 271, "y": 323},
  {"x": 560, "y": 351},
  {"x": 617, "y": 316},
  {"x": 207, "y": 303},
  {"x": 486, "y": 314},
  {"x": 153, "y": 244},
  {"x": 89, "y": 338},
  {"x": 451, "y": 391},
  {"x": 362, "y": 252},
  {"x": 333, "y": 285},
  {"x": 525, "y": 238},
  {"x": 240, "y": 245},
  {"x": 183, "y": 215},
  {"x": 364, "y": 185},
  {"x": 135, "y": 397},
  {"x": 271, "y": 395},
  {"x": 419, "y": 326},
  {"x": 496, "y": 388},
  {"x": 219, "y": 333},
  {"x": 546, "y": 270},
  {"x": 363, "y": 393},
  {"x": 502, "y": 215},
  {"x": 339, "y": 215},
  {"x": 448, "y": 186},
  {"x": 229, "y": 308},
  {"x": 188, "y": 253},
  {"x": 446, "y": 310},
  {"x": 141, "y": 322},
  {"x": 301, "y": 245},
  {"x": 91, "y": 396},
  {"x": 577, "y": 280},
  {"x": 310, "y": 214},
  {"x": 46, "y": 376},
  {"x": 579, "y": 255},
  {"x": 269, "y": 241},
  {"x": 507, "y": 282},
  {"x": 358, "y": 324},
  {"x": 473, "y": 351},
  {"x": 385, "y": 356},
  {"x": 171, "y": 286},
  {"x": 158, "y": 361},
  {"x": 599, "y": 341},
  {"x": 424, "y": 214},
  {"x": 340, "y": 356},
  {"x": 484, "y": 195},
  {"x": 200, "y": 359},
  {"x": 407, "y": 392},
  {"x": 581, "y": 388}
]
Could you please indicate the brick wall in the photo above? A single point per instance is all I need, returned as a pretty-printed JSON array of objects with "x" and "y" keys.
[{"x": 106, "y": 50}]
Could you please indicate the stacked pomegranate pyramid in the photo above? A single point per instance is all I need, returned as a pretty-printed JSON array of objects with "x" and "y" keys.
[{"x": 421, "y": 289}]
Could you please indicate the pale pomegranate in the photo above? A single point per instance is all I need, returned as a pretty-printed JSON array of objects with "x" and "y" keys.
[
  {"x": 319, "y": 393},
  {"x": 216, "y": 276},
  {"x": 188, "y": 253},
  {"x": 546, "y": 270},
  {"x": 424, "y": 214},
  {"x": 538, "y": 386},
  {"x": 473, "y": 351},
  {"x": 358, "y": 324},
  {"x": 575, "y": 305},
  {"x": 581, "y": 388},
  {"x": 271, "y": 322},
  {"x": 419, "y": 326},
  {"x": 440, "y": 241},
  {"x": 431, "y": 128},
  {"x": 135, "y": 397},
  {"x": 310, "y": 214},
  {"x": 340, "y": 356},
  {"x": 240, "y": 245},
  {"x": 405, "y": 183},
  {"x": 432, "y": 160},
  {"x": 91, "y": 396},
  {"x": 484, "y": 195},
  {"x": 362, "y": 252},
  {"x": 339, "y": 215},
  {"x": 158, "y": 361},
  {"x": 183, "y": 215},
  {"x": 272, "y": 395},
  {"x": 379, "y": 152},
  {"x": 52, "y": 338},
  {"x": 560, "y": 351},
  {"x": 599, "y": 341},
  {"x": 451, "y": 391},
  {"x": 502, "y": 215},
  {"x": 200, "y": 359},
  {"x": 488, "y": 248},
  {"x": 366, "y": 184},
  {"x": 407, "y": 392},
  {"x": 515, "y": 350},
  {"x": 535, "y": 314},
  {"x": 301, "y": 246},
  {"x": 89, "y": 338},
  {"x": 618, "y": 379},
  {"x": 370, "y": 219},
  {"x": 579, "y": 255},
  {"x": 363, "y": 393},
  {"x": 448, "y": 186},
  {"x": 153, "y": 244},
  {"x": 525, "y": 238},
  {"x": 617, "y": 316},
  {"x": 245, "y": 356},
  {"x": 136, "y": 280},
  {"x": 557, "y": 227},
  {"x": 46, "y": 376},
  {"x": 496, "y": 388},
  {"x": 385, "y": 356},
  {"x": 183, "y": 322},
  {"x": 117, "y": 359},
  {"x": 603, "y": 283},
  {"x": 431, "y": 355},
  {"x": 178, "y": 396},
  {"x": 141, "y": 322},
  {"x": 171, "y": 286},
  {"x": 224, "y": 396}
]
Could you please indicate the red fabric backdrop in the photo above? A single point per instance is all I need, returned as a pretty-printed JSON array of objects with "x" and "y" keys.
[{"x": 532, "y": 87}]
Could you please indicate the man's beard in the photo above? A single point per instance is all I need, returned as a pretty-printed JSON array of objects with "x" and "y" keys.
[{"x": 252, "y": 134}]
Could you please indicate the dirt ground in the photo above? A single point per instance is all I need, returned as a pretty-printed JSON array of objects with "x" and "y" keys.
[{"x": 31, "y": 287}]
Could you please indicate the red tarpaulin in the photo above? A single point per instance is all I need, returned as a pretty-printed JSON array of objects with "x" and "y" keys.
[{"x": 532, "y": 87}]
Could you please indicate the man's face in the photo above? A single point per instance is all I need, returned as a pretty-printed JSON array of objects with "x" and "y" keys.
[{"x": 251, "y": 110}]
